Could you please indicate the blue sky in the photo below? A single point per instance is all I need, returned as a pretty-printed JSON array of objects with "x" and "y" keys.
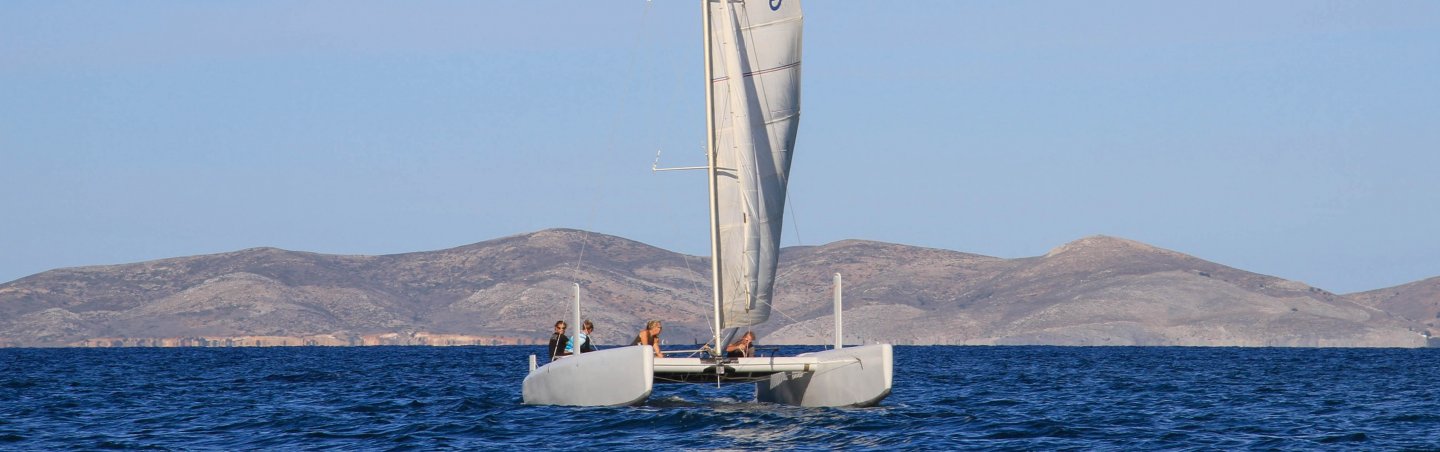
[{"x": 1295, "y": 139}]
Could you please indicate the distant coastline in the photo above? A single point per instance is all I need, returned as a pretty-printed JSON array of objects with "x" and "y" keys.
[{"x": 319, "y": 340}]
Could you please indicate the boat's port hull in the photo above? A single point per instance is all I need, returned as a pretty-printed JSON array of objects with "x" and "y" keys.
[{"x": 617, "y": 376}]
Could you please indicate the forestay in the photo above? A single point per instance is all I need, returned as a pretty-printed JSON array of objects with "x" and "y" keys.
[{"x": 755, "y": 56}]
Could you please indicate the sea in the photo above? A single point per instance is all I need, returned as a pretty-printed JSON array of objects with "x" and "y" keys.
[{"x": 944, "y": 398}]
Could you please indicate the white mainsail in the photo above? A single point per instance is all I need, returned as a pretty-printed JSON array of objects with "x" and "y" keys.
[{"x": 755, "y": 113}]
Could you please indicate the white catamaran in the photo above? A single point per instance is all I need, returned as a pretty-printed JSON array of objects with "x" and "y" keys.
[{"x": 752, "y": 95}]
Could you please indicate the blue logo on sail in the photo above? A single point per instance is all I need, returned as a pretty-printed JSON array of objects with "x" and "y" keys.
[{"x": 775, "y": 4}]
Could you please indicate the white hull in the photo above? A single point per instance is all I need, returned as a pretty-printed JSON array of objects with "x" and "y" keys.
[
  {"x": 613, "y": 377},
  {"x": 863, "y": 380},
  {"x": 858, "y": 376}
]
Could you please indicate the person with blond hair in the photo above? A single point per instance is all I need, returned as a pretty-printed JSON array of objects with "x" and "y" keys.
[{"x": 650, "y": 336}]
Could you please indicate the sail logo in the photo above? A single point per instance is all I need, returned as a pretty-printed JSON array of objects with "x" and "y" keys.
[{"x": 775, "y": 4}]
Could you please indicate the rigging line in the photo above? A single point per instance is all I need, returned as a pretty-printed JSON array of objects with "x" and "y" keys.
[
  {"x": 794, "y": 321},
  {"x": 609, "y": 148},
  {"x": 680, "y": 80},
  {"x": 794, "y": 217},
  {"x": 782, "y": 312},
  {"x": 709, "y": 322}
]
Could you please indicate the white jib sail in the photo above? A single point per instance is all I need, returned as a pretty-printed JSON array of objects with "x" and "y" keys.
[{"x": 756, "y": 55}]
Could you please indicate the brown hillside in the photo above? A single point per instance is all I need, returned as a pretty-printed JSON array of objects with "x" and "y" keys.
[{"x": 1096, "y": 290}]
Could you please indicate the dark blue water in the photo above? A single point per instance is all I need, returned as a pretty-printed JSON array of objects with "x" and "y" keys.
[{"x": 1034, "y": 398}]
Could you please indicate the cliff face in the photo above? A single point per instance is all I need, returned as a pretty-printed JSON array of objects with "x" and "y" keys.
[{"x": 1095, "y": 291}]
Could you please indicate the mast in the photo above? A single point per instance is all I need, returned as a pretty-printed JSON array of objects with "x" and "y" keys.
[
  {"x": 839, "y": 335},
  {"x": 575, "y": 333},
  {"x": 712, "y": 172}
]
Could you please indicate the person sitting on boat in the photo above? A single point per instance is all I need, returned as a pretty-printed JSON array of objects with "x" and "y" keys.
[
  {"x": 583, "y": 338},
  {"x": 650, "y": 336},
  {"x": 558, "y": 341},
  {"x": 742, "y": 348}
]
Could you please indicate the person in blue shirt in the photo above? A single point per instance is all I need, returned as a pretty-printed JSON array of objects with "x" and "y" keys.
[{"x": 582, "y": 338}]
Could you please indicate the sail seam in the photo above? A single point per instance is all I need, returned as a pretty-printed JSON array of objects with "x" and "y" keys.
[
  {"x": 773, "y": 23},
  {"x": 782, "y": 119},
  {"x": 762, "y": 71}
]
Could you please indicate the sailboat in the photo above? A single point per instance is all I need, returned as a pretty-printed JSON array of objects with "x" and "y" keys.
[{"x": 752, "y": 96}]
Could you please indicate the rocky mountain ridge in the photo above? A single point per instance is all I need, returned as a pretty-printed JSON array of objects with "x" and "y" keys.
[{"x": 1094, "y": 291}]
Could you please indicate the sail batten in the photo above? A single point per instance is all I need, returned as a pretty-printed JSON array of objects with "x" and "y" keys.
[{"x": 755, "y": 48}]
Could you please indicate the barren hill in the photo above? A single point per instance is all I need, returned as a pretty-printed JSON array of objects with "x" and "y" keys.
[
  {"x": 1418, "y": 301},
  {"x": 1103, "y": 291},
  {"x": 1097, "y": 290},
  {"x": 508, "y": 287}
]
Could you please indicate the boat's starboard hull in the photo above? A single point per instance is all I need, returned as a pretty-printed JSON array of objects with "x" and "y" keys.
[{"x": 865, "y": 382}]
